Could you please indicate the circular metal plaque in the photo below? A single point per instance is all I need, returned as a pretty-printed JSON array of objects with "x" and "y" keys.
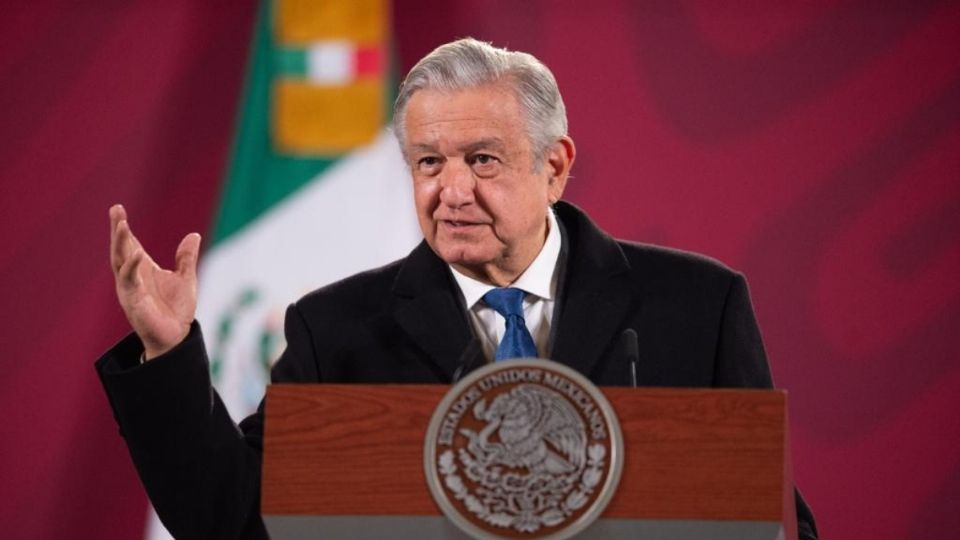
[{"x": 523, "y": 449}]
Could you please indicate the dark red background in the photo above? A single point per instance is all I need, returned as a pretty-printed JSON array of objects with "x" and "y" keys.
[{"x": 813, "y": 145}]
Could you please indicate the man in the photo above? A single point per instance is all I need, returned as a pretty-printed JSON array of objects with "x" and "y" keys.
[{"x": 485, "y": 135}]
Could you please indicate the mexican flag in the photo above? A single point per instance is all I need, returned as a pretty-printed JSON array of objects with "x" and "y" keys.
[{"x": 316, "y": 189}]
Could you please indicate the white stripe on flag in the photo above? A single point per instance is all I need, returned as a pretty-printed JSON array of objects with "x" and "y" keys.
[{"x": 330, "y": 62}]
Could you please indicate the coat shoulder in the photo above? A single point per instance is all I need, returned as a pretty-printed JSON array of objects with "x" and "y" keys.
[
  {"x": 600, "y": 251},
  {"x": 652, "y": 261},
  {"x": 357, "y": 293}
]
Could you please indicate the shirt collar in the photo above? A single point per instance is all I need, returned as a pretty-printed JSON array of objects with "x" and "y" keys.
[{"x": 539, "y": 279}]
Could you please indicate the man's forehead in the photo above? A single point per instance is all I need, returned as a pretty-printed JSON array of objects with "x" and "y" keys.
[
  {"x": 463, "y": 121},
  {"x": 466, "y": 146},
  {"x": 477, "y": 104}
]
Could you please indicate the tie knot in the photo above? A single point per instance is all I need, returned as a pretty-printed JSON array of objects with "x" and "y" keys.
[{"x": 506, "y": 301}]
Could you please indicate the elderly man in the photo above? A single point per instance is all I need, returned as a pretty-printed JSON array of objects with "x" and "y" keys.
[{"x": 484, "y": 132}]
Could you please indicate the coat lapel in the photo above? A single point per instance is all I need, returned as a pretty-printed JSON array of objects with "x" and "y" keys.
[
  {"x": 595, "y": 297},
  {"x": 595, "y": 292},
  {"x": 428, "y": 309}
]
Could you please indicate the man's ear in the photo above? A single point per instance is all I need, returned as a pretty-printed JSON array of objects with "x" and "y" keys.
[{"x": 559, "y": 161}]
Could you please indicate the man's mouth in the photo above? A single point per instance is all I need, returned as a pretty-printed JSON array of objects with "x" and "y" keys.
[{"x": 458, "y": 224}]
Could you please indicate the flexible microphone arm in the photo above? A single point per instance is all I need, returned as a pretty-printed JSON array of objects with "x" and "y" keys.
[
  {"x": 468, "y": 360},
  {"x": 629, "y": 343}
]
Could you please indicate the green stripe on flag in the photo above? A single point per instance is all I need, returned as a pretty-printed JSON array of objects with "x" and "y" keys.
[
  {"x": 258, "y": 177},
  {"x": 291, "y": 62}
]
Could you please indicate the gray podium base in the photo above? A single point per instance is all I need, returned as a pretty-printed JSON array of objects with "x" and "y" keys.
[{"x": 430, "y": 527}]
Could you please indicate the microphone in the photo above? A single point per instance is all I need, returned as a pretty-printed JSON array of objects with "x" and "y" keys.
[
  {"x": 468, "y": 360},
  {"x": 630, "y": 344}
]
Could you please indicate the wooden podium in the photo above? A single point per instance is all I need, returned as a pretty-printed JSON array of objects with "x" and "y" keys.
[{"x": 346, "y": 461}]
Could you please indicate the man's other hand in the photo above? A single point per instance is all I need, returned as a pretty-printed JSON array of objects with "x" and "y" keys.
[{"x": 160, "y": 304}]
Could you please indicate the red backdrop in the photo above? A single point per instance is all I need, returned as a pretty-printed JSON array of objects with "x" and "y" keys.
[{"x": 813, "y": 145}]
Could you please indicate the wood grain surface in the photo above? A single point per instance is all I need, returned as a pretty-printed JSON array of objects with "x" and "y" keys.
[{"x": 689, "y": 453}]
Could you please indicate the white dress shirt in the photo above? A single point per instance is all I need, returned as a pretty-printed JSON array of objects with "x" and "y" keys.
[{"x": 539, "y": 281}]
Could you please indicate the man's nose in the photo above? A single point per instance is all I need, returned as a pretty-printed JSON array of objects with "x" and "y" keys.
[{"x": 456, "y": 185}]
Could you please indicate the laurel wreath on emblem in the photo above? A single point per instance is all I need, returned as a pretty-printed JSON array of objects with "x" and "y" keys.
[{"x": 530, "y": 462}]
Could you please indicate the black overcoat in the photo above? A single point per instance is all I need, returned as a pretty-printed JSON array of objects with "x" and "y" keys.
[{"x": 406, "y": 323}]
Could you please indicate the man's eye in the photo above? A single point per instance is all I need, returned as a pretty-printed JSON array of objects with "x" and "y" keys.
[
  {"x": 428, "y": 164},
  {"x": 484, "y": 159}
]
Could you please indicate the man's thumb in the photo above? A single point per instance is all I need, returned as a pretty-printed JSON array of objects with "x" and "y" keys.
[{"x": 187, "y": 253}]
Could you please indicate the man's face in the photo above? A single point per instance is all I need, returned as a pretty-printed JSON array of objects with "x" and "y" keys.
[{"x": 481, "y": 197}]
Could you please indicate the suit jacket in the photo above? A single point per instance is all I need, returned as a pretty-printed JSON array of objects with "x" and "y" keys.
[{"x": 406, "y": 323}]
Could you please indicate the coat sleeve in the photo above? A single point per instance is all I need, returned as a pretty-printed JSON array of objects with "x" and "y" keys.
[
  {"x": 200, "y": 470},
  {"x": 741, "y": 362}
]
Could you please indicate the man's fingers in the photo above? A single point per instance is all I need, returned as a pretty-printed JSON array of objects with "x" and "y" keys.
[
  {"x": 123, "y": 245},
  {"x": 187, "y": 253},
  {"x": 122, "y": 241},
  {"x": 117, "y": 214},
  {"x": 127, "y": 275}
]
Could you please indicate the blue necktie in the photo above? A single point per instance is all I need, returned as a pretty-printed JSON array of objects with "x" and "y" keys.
[{"x": 517, "y": 341}]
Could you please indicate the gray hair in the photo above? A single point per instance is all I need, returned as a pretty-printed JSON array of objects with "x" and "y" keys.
[{"x": 469, "y": 63}]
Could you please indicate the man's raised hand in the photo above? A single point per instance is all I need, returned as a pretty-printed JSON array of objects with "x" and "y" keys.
[{"x": 160, "y": 304}]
